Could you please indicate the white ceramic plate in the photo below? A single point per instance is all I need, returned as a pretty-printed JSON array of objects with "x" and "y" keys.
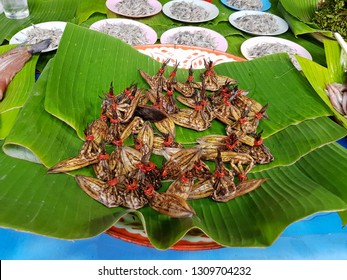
[
  {"x": 185, "y": 55},
  {"x": 218, "y": 39},
  {"x": 22, "y": 37},
  {"x": 156, "y": 5},
  {"x": 248, "y": 45},
  {"x": 266, "y": 5},
  {"x": 210, "y": 8},
  {"x": 151, "y": 35},
  {"x": 281, "y": 23}
]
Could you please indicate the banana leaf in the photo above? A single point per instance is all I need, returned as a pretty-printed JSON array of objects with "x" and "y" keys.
[
  {"x": 67, "y": 97},
  {"x": 16, "y": 94},
  {"x": 302, "y": 10},
  {"x": 88, "y": 8},
  {"x": 261, "y": 77},
  {"x": 319, "y": 76},
  {"x": 299, "y": 15},
  {"x": 42, "y": 126}
]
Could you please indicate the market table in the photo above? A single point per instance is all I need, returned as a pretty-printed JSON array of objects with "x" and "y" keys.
[{"x": 321, "y": 236}]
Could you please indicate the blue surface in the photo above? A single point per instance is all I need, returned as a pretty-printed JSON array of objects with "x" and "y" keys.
[{"x": 317, "y": 237}]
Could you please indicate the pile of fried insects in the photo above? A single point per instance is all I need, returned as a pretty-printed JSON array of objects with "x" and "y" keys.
[{"x": 127, "y": 176}]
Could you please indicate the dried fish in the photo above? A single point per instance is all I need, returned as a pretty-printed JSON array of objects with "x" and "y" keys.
[
  {"x": 337, "y": 94},
  {"x": 188, "y": 11},
  {"x": 257, "y": 23},
  {"x": 196, "y": 38},
  {"x": 171, "y": 205},
  {"x": 246, "y": 4},
  {"x": 268, "y": 48},
  {"x": 105, "y": 192},
  {"x": 134, "y": 7},
  {"x": 127, "y": 32}
]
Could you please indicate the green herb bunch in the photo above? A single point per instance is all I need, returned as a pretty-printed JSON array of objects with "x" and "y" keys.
[{"x": 332, "y": 15}]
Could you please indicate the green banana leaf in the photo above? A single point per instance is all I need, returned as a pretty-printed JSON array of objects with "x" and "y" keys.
[
  {"x": 298, "y": 15},
  {"x": 320, "y": 76},
  {"x": 302, "y": 10},
  {"x": 16, "y": 94},
  {"x": 161, "y": 23},
  {"x": 253, "y": 78},
  {"x": 67, "y": 97}
]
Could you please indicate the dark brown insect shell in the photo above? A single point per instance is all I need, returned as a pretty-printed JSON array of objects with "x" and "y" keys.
[{"x": 149, "y": 113}]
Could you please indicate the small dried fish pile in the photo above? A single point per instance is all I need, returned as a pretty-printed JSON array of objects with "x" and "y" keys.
[
  {"x": 337, "y": 94},
  {"x": 134, "y": 7},
  {"x": 259, "y": 23},
  {"x": 129, "y": 33},
  {"x": 188, "y": 11},
  {"x": 193, "y": 38},
  {"x": 12, "y": 61},
  {"x": 38, "y": 34},
  {"x": 246, "y": 4},
  {"x": 126, "y": 175},
  {"x": 269, "y": 48}
]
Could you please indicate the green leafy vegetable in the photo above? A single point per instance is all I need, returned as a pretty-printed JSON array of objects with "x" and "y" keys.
[{"x": 332, "y": 15}]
